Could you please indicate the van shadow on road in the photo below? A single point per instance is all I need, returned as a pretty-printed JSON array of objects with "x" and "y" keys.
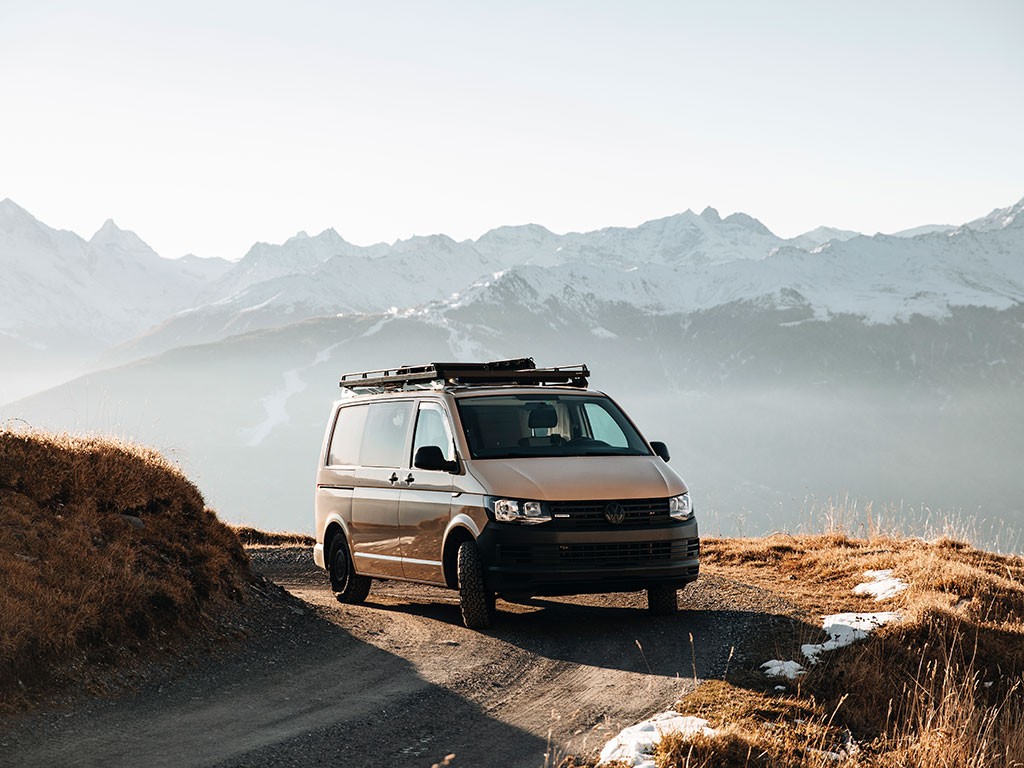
[
  {"x": 305, "y": 693},
  {"x": 615, "y": 632}
]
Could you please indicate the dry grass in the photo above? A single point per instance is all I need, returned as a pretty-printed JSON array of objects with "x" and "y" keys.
[
  {"x": 254, "y": 537},
  {"x": 105, "y": 549},
  {"x": 941, "y": 688}
]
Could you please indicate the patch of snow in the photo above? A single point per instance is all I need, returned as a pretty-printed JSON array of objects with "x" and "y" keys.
[
  {"x": 882, "y": 585},
  {"x": 275, "y": 408},
  {"x": 261, "y": 305},
  {"x": 603, "y": 333},
  {"x": 324, "y": 355},
  {"x": 778, "y": 668},
  {"x": 635, "y": 745},
  {"x": 844, "y": 629},
  {"x": 375, "y": 328}
]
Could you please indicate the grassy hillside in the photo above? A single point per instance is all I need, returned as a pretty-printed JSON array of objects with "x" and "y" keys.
[{"x": 106, "y": 552}]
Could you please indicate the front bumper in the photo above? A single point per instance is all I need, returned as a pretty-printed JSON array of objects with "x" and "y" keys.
[{"x": 533, "y": 560}]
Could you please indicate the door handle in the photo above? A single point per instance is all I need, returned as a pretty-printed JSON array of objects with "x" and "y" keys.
[
  {"x": 410, "y": 479},
  {"x": 394, "y": 478}
]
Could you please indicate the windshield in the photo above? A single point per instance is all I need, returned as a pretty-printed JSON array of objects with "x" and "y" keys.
[{"x": 525, "y": 426}]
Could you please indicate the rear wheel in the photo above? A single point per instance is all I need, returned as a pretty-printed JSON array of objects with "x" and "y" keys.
[
  {"x": 475, "y": 600},
  {"x": 350, "y": 587},
  {"x": 662, "y": 600}
]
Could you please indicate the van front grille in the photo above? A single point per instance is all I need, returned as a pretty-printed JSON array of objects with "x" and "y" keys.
[
  {"x": 614, "y": 554},
  {"x": 592, "y": 515}
]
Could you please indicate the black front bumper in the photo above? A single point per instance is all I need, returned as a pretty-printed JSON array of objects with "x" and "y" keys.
[{"x": 534, "y": 560}]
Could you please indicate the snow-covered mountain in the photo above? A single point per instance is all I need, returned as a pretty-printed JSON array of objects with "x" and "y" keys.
[
  {"x": 113, "y": 289},
  {"x": 322, "y": 275},
  {"x": 681, "y": 263},
  {"x": 881, "y": 279},
  {"x": 60, "y": 291}
]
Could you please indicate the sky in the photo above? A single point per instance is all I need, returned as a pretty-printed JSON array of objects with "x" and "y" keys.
[{"x": 207, "y": 126}]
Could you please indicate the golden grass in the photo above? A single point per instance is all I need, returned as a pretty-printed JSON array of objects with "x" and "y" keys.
[
  {"x": 941, "y": 688},
  {"x": 254, "y": 537},
  {"x": 105, "y": 547}
]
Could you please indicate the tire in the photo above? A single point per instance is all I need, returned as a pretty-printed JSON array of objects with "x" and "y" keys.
[
  {"x": 349, "y": 586},
  {"x": 475, "y": 601},
  {"x": 662, "y": 600}
]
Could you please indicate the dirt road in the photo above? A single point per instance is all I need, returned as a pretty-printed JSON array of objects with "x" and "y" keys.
[{"x": 400, "y": 682}]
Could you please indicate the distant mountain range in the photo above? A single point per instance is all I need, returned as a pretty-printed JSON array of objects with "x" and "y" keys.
[
  {"x": 888, "y": 367},
  {"x": 71, "y": 296}
]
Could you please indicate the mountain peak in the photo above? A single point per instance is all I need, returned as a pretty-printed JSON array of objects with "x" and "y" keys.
[
  {"x": 710, "y": 214},
  {"x": 747, "y": 222},
  {"x": 1000, "y": 218},
  {"x": 513, "y": 230},
  {"x": 11, "y": 211},
  {"x": 111, "y": 235}
]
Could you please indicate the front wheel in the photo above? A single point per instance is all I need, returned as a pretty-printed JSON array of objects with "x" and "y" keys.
[
  {"x": 349, "y": 586},
  {"x": 475, "y": 600},
  {"x": 662, "y": 600}
]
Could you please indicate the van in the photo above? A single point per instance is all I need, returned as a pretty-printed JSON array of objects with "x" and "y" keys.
[{"x": 497, "y": 479}]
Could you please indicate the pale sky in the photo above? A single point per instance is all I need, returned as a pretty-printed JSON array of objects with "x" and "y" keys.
[{"x": 206, "y": 126}]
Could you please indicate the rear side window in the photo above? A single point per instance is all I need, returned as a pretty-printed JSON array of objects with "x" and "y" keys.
[
  {"x": 385, "y": 433},
  {"x": 348, "y": 434}
]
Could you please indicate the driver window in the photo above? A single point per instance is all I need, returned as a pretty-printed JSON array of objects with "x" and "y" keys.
[
  {"x": 603, "y": 426},
  {"x": 432, "y": 429}
]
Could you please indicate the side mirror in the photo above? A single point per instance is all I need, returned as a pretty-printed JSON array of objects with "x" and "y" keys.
[
  {"x": 431, "y": 458},
  {"x": 661, "y": 449}
]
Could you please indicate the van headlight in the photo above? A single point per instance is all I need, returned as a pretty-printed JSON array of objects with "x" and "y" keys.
[
  {"x": 679, "y": 507},
  {"x": 515, "y": 511}
]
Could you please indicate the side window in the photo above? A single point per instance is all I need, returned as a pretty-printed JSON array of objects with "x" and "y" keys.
[
  {"x": 348, "y": 434},
  {"x": 603, "y": 426},
  {"x": 432, "y": 429},
  {"x": 387, "y": 426}
]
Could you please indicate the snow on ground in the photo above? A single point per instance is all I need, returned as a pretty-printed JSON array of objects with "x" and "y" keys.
[
  {"x": 845, "y": 629},
  {"x": 882, "y": 585},
  {"x": 778, "y": 668},
  {"x": 635, "y": 745}
]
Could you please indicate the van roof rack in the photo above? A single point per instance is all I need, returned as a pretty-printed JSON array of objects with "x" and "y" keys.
[{"x": 522, "y": 371}]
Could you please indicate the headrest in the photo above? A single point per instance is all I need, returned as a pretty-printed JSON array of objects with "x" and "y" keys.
[{"x": 544, "y": 417}]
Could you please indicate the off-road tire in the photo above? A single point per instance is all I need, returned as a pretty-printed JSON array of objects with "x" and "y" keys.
[
  {"x": 346, "y": 583},
  {"x": 662, "y": 600},
  {"x": 475, "y": 601}
]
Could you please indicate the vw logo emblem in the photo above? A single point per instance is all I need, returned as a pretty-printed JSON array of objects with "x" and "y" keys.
[{"x": 614, "y": 513}]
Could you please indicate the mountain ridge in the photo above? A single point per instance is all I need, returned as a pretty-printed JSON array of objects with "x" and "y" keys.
[{"x": 114, "y": 295}]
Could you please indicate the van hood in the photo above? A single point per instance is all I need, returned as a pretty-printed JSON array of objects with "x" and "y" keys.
[{"x": 578, "y": 478}]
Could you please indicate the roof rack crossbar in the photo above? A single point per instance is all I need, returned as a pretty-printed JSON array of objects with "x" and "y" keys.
[{"x": 521, "y": 371}]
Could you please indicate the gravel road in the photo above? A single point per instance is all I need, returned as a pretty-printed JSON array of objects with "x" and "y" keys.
[{"x": 400, "y": 682}]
